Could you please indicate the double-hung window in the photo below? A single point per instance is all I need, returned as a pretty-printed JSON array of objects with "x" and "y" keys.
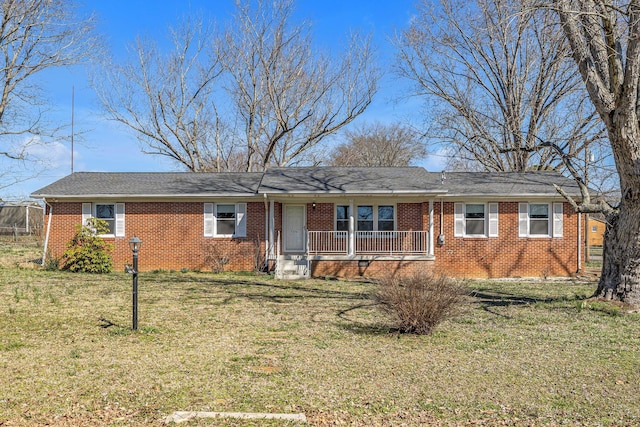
[
  {"x": 225, "y": 219},
  {"x": 365, "y": 218},
  {"x": 368, "y": 218},
  {"x": 111, "y": 213},
  {"x": 107, "y": 213},
  {"x": 385, "y": 218},
  {"x": 540, "y": 219},
  {"x": 476, "y": 219},
  {"x": 376, "y": 218},
  {"x": 342, "y": 218}
]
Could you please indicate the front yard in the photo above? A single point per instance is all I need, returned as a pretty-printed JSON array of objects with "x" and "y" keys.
[{"x": 518, "y": 354}]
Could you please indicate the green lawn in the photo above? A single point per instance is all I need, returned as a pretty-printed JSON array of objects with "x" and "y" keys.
[{"x": 517, "y": 353}]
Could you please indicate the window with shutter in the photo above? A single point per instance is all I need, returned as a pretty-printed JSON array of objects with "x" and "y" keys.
[
  {"x": 111, "y": 213},
  {"x": 225, "y": 219},
  {"x": 476, "y": 219},
  {"x": 540, "y": 219}
]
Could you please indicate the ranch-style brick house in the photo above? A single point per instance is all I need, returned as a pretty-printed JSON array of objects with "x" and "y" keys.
[{"x": 328, "y": 221}]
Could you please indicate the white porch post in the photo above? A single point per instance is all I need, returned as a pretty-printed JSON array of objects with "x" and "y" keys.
[
  {"x": 352, "y": 231},
  {"x": 430, "y": 243}
]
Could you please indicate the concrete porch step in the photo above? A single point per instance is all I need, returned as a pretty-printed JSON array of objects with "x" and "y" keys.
[{"x": 292, "y": 267}]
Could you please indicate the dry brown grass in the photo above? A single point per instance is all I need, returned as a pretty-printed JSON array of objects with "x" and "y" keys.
[{"x": 519, "y": 353}]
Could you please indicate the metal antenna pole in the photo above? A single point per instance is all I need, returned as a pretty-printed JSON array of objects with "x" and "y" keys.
[{"x": 72, "y": 122}]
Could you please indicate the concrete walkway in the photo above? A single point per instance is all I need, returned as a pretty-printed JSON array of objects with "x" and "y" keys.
[{"x": 183, "y": 416}]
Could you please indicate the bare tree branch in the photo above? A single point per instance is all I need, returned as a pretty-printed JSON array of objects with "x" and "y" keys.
[
  {"x": 35, "y": 35},
  {"x": 498, "y": 75},
  {"x": 168, "y": 99},
  {"x": 289, "y": 96},
  {"x": 255, "y": 96}
]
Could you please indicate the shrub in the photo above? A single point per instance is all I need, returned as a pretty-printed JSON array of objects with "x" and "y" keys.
[
  {"x": 87, "y": 252},
  {"x": 419, "y": 302},
  {"x": 216, "y": 256}
]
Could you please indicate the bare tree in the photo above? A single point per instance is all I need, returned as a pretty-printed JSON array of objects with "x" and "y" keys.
[
  {"x": 289, "y": 95},
  {"x": 497, "y": 75},
  {"x": 168, "y": 99},
  {"x": 378, "y": 144},
  {"x": 605, "y": 44},
  {"x": 35, "y": 35},
  {"x": 257, "y": 95}
]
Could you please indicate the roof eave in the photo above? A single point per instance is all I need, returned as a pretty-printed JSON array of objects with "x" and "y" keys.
[
  {"x": 354, "y": 193},
  {"x": 143, "y": 196}
]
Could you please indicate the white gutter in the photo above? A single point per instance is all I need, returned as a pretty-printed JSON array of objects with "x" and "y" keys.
[
  {"x": 355, "y": 194},
  {"x": 125, "y": 196}
]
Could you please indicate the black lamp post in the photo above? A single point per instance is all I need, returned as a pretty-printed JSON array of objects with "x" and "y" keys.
[{"x": 135, "y": 244}]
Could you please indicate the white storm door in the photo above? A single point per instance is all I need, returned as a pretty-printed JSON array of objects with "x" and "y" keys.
[{"x": 294, "y": 228}]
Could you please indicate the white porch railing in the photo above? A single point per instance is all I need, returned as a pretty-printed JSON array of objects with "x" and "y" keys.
[
  {"x": 327, "y": 242},
  {"x": 369, "y": 242}
]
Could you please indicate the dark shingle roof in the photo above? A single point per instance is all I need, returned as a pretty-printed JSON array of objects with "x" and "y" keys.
[
  {"x": 341, "y": 180},
  {"x": 152, "y": 184},
  {"x": 504, "y": 183},
  {"x": 312, "y": 180}
]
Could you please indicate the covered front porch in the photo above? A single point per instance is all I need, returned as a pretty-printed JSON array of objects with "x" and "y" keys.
[
  {"x": 329, "y": 252},
  {"x": 314, "y": 233}
]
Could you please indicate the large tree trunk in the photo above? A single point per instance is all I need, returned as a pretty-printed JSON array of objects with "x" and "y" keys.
[
  {"x": 605, "y": 44},
  {"x": 620, "y": 278}
]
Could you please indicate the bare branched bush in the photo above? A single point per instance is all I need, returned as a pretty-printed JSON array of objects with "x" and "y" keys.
[
  {"x": 420, "y": 301},
  {"x": 216, "y": 256}
]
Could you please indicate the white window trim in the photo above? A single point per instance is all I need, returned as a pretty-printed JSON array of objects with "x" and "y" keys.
[
  {"x": 89, "y": 211},
  {"x": 491, "y": 219},
  {"x": 335, "y": 216},
  {"x": 555, "y": 221},
  {"x": 375, "y": 215},
  {"x": 210, "y": 220}
]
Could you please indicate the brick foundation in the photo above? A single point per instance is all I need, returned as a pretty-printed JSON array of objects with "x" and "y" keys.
[{"x": 367, "y": 269}]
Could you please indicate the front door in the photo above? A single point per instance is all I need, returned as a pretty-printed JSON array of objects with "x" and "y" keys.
[{"x": 294, "y": 228}]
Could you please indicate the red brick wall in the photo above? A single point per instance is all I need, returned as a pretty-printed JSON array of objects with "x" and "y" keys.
[
  {"x": 410, "y": 216},
  {"x": 507, "y": 255},
  {"x": 321, "y": 218},
  {"x": 172, "y": 235}
]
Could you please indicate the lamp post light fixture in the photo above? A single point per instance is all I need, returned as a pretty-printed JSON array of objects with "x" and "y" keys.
[{"x": 135, "y": 244}]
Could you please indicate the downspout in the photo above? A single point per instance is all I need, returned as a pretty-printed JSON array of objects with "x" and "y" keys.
[
  {"x": 431, "y": 249},
  {"x": 272, "y": 227},
  {"x": 46, "y": 237},
  {"x": 579, "y": 241},
  {"x": 267, "y": 242},
  {"x": 441, "y": 216}
]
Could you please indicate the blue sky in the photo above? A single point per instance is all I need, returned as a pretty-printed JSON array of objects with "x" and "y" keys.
[{"x": 106, "y": 146}]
